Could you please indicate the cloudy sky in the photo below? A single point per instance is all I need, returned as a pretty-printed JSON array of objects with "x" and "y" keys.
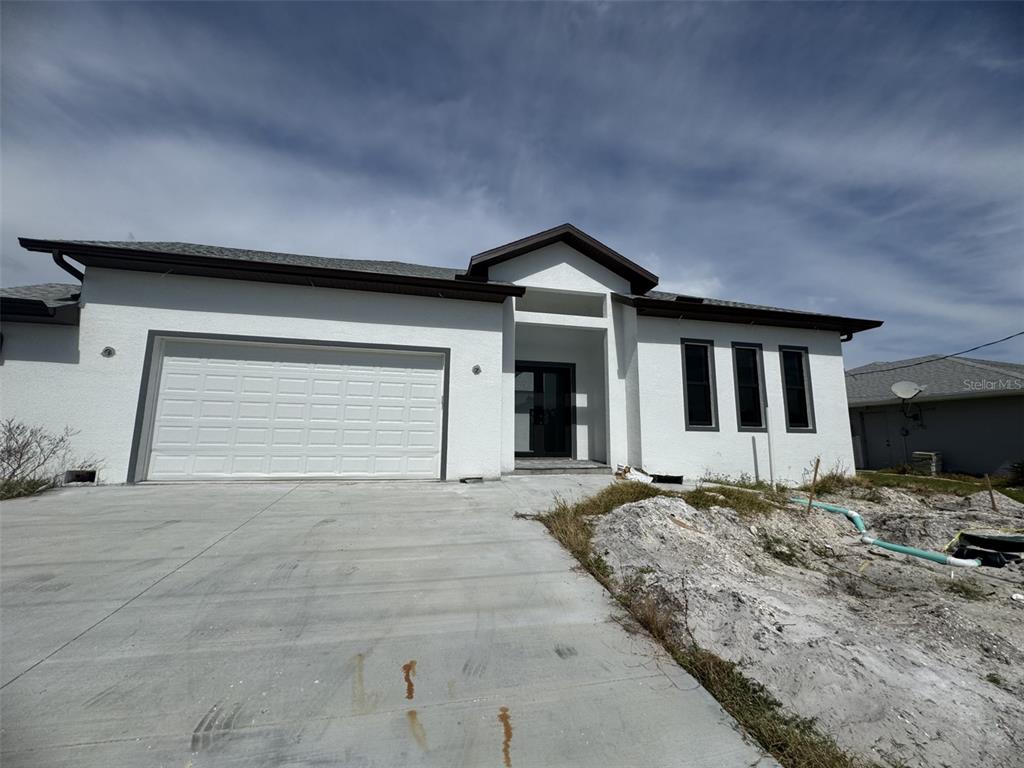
[{"x": 854, "y": 159}]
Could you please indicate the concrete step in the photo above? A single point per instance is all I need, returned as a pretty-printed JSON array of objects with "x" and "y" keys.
[{"x": 557, "y": 466}]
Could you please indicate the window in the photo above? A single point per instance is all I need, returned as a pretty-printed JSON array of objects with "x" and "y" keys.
[
  {"x": 746, "y": 360},
  {"x": 796, "y": 389},
  {"x": 699, "y": 385}
]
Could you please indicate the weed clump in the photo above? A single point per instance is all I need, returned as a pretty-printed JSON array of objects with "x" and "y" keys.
[{"x": 968, "y": 589}]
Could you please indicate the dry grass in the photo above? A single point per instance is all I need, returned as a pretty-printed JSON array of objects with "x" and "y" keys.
[
  {"x": 779, "y": 549},
  {"x": 996, "y": 679},
  {"x": 13, "y": 489},
  {"x": 836, "y": 481},
  {"x": 833, "y": 481},
  {"x": 571, "y": 524},
  {"x": 794, "y": 741},
  {"x": 747, "y": 503},
  {"x": 966, "y": 588}
]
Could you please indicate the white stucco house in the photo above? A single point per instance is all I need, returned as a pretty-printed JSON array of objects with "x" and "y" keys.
[{"x": 175, "y": 361}]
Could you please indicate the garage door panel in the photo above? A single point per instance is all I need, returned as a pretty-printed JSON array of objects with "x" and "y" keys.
[
  {"x": 390, "y": 439},
  {"x": 183, "y": 382},
  {"x": 171, "y": 408},
  {"x": 217, "y": 409},
  {"x": 248, "y": 465},
  {"x": 421, "y": 439},
  {"x": 327, "y": 387},
  {"x": 170, "y": 465},
  {"x": 320, "y": 412},
  {"x": 355, "y": 438},
  {"x": 290, "y": 412},
  {"x": 252, "y": 437},
  {"x": 358, "y": 413},
  {"x": 281, "y": 411},
  {"x": 322, "y": 465},
  {"x": 324, "y": 438},
  {"x": 254, "y": 411},
  {"x": 391, "y": 412},
  {"x": 210, "y": 464},
  {"x": 213, "y": 437}
]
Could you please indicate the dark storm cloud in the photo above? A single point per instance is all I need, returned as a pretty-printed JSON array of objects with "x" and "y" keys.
[{"x": 856, "y": 159}]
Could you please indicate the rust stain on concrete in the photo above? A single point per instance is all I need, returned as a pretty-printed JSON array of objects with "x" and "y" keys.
[
  {"x": 416, "y": 728},
  {"x": 409, "y": 670},
  {"x": 363, "y": 703},
  {"x": 506, "y": 726}
]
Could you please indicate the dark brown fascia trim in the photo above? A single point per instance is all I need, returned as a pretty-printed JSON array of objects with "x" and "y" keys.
[
  {"x": 15, "y": 310},
  {"x": 640, "y": 279},
  {"x": 744, "y": 316},
  {"x": 141, "y": 260}
]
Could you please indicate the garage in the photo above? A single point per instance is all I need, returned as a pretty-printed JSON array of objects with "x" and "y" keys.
[{"x": 217, "y": 409}]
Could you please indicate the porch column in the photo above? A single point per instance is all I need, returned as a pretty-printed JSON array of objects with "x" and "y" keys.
[{"x": 508, "y": 386}]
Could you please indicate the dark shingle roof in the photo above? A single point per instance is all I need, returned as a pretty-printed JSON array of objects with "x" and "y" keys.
[
  {"x": 419, "y": 278},
  {"x": 50, "y": 294},
  {"x": 398, "y": 268},
  {"x": 943, "y": 378},
  {"x": 664, "y": 296}
]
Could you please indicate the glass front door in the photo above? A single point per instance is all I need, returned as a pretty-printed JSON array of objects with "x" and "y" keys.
[{"x": 543, "y": 409}]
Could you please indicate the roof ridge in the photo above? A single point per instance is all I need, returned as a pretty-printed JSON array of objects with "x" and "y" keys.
[{"x": 988, "y": 366}]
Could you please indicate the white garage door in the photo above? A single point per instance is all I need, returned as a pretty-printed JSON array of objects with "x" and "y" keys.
[{"x": 244, "y": 410}]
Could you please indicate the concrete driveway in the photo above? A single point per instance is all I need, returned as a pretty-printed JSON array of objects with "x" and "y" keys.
[{"x": 334, "y": 624}]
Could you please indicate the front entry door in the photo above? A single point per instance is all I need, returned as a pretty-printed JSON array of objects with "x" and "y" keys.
[{"x": 544, "y": 409}]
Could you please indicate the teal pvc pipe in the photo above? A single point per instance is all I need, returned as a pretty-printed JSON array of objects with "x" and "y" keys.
[
  {"x": 935, "y": 557},
  {"x": 858, "y": 523},
  {"x": 849, "y": 514}
]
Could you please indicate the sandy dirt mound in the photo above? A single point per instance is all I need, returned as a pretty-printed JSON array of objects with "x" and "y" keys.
[{"x": 903, "y": 662}]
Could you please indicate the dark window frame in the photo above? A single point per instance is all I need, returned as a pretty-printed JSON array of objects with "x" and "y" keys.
[
  {"x": 808, "y": 388},
  {"x": 763, "y": 392},
  {"x": 715, "y": 422}
]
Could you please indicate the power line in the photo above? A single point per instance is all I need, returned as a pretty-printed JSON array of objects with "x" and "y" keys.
[{"x": 944, "y": 357}]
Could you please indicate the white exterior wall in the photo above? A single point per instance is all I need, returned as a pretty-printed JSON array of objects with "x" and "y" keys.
[
  {"x": 508, "y": 386},
  {"x": 38, "y": 371},
  {"x": 669, "y": 449},
  {"x": 120, "y": 308},
  {"x": 625, "y": 319}
]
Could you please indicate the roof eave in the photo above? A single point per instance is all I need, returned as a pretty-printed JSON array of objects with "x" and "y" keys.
[
  {"x": 137, "y": 259},
  {"x": 19, "y": 310},
  {"x": 943, "y": 397},
  {"x": 689, "y": 310}
]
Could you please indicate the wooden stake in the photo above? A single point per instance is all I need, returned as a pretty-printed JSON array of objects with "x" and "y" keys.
[
  {"x": 814, "y": 482},
  {"x": 991, "y": 495}
]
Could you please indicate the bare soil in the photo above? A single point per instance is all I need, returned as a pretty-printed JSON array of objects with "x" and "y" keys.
[{"x": 903, "y": 662}]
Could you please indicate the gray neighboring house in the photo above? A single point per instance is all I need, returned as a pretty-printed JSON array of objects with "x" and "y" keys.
[{"x": 971, "y": 411}]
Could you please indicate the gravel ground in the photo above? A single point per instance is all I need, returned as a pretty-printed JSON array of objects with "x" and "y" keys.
[{"x": 902, "y": 661}]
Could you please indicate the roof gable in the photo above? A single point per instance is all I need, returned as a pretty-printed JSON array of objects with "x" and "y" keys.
[{"x": 640, "y": 280}]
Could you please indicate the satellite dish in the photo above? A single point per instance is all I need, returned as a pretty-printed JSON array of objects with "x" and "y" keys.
[{"x": 906, "y": 390}]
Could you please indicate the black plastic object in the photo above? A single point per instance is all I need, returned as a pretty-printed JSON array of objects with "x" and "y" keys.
[
  {"x": 988, "y": 558},
  {"x": 997, "y": 543}
]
